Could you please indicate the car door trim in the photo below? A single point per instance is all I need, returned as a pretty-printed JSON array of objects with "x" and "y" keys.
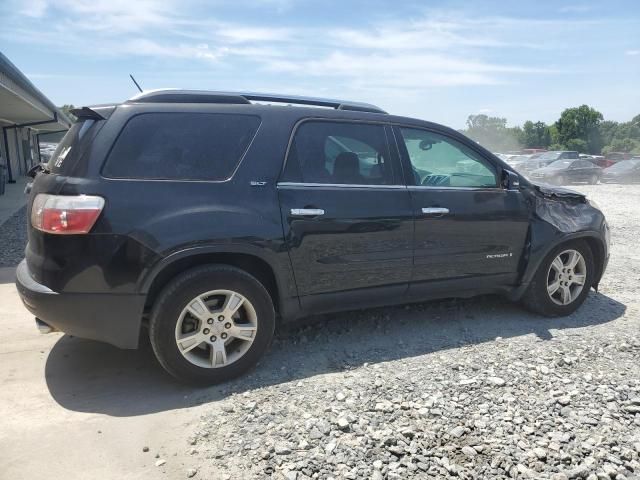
[
  {"x": 476, "y": 189},
  {"x": 339, "y": 185}
]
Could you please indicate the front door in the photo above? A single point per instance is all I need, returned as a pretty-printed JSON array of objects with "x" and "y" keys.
[
  {"x": 347, "y": 216},
  {"x": 470, "y": 232}
]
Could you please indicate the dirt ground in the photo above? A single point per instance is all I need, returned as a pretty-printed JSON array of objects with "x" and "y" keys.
[{"x": 73, "y": 408}]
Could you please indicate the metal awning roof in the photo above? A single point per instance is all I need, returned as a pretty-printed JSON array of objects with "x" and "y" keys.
[{"x": 21, "y": 103}]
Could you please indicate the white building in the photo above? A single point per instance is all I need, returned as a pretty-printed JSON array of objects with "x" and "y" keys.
[{"x": 24, "y": 113}]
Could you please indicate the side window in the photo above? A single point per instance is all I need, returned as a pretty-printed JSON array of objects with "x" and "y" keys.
[
  {"x": 339, "y": 153},
  {"x": 181, "y": 146},
  {"x": 440, "y": 161}
]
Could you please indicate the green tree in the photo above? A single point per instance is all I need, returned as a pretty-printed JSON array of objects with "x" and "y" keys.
[
  {"x": 625, "y": 137},
  {"x": 577, "y": 144},
  {"x": 580, "y": 123},
  {"x": 66, "y": 110},
  {"x": 492, "y": 133},
  {"x": 628, "y": 145},
  {"x": 535, "y": 135},
  {"x": 608, "y": 129},
  {"x": 557, "y": 146}
]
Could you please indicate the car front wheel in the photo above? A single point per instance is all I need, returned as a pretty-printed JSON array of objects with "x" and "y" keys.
[
  {"x": 562, "y": 281},
  {"x": 211, "y": 324}
]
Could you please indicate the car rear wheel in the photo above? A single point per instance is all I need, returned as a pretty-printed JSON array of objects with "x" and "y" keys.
[
  {"x": 593, "y": 180},
  {"x": 211, "y": 324},
  {"x": 563, "y": 280}
]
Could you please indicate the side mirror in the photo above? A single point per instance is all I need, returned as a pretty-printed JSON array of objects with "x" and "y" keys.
[
  {"x": 510, "y": 180},
  {"x": 425, "y": 145}
]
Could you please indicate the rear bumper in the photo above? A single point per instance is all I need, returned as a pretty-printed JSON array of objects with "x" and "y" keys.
[{"x": 110, "y": 318}]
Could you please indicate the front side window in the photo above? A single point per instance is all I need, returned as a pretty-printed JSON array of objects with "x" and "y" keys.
[
  {"x": 339, "y": 153},
  {"x": 440, "y": 161},
  {"x": 181, "y": 146}
]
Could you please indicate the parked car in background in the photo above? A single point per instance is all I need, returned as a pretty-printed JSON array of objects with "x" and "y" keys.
[
  {"x": 592, "y": 158},
  {"x": 549, "y": 157},
  {"x": 533, "y": 151},
  {"x": 540, "y": 160},
  {"x": 562, "y": 172},
  {"x": 612, "y": 158},
  {"x": 627, "y": 171},
  {"x": 202, "y": 218},
  {"x": 46, "y": 151},
  {"x": 518, "y": 161}
]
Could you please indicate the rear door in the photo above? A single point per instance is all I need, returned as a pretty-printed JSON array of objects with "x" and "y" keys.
[
  {"x": 347, "y": 216},
  {"x": 470, "y": 232}
]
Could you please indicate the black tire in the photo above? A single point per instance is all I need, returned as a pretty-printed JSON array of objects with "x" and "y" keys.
[
  {"x": 177, "y": 294},
  {"x": 536, "y": 298}
]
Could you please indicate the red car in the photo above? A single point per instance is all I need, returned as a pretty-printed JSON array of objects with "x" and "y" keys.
[
  {"x": 612, "y": 158},
  {"x": 531, "y": 151}
]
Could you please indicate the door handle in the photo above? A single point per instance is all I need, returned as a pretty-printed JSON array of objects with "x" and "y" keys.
[
  {"x": 307, "y": 212},
  {"x": 435, "y": 211}
]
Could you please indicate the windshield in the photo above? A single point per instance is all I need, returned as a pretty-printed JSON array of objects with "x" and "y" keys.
[
  {"x": 549, "y": 156},
  {"x": 624, "y": 166},
  {"x": 560, "y": 164}
]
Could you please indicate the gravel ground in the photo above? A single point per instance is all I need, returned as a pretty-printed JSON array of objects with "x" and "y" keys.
[
  {"x": 13, "y": 238},
  {"x": 475, "y": 388},
  {"x": 468, "y": 389}
]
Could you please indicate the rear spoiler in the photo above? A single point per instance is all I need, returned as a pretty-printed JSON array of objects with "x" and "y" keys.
[{"x": 98, "y": 112}]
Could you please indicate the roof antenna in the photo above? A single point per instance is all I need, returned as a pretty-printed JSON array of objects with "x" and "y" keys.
[{"x": 134, "y": 81}]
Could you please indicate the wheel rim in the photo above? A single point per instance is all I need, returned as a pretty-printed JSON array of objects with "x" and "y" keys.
[
  {"x": 566, "y": 277},
  {"x": 216, "y": 328}
]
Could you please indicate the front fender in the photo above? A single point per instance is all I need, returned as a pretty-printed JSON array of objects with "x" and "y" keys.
[{"x": 557, "y": 220}]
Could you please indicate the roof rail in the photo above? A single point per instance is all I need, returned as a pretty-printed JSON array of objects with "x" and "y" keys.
[{"x": 206, "y": 96}]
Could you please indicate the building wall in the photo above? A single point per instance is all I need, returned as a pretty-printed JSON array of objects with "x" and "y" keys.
[{"x": 23, "y": 150}]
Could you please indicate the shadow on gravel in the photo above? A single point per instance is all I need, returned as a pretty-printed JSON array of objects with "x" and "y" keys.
[{"x": 88, "y": 376}]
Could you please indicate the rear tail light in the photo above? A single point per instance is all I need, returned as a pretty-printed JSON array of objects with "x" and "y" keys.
[{"x": 65, "y": 214}]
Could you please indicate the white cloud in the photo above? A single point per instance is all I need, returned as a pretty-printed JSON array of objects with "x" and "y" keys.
[
  {"x": 435, "y": 49},
  {"x": 33, "y": 8},
  {"x": 243, "y": 34},
  {"x": 578, "y": 8},
  {"x": 632, "y": 53}
]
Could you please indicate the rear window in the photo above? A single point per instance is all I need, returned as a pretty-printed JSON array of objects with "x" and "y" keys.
[
  {"x": 73, "y": 146},
  {"x": 181, "y": 146}
]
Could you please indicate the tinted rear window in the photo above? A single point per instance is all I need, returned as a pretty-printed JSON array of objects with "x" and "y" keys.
[
  {"x": 72, "y": 148},
  {"x": 181, "y": 146}
]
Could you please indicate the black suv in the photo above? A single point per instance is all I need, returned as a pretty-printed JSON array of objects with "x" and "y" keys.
[{"x": 208, "y": 216}]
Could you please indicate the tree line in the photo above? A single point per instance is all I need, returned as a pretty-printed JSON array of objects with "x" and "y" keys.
[{"x": 581, "y": 128}]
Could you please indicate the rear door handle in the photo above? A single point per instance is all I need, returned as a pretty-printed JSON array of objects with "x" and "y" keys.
[
  {"x": 307, "y": 212},
  {"x": 435, "y": 211}
]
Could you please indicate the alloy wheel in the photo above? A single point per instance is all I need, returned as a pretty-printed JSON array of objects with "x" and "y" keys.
[
  {"x": 216, "y": 328},
  {"x": 566, "y": 277}
]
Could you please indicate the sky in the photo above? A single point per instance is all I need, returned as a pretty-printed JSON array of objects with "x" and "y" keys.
[{"x": 436, "y": 60}]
